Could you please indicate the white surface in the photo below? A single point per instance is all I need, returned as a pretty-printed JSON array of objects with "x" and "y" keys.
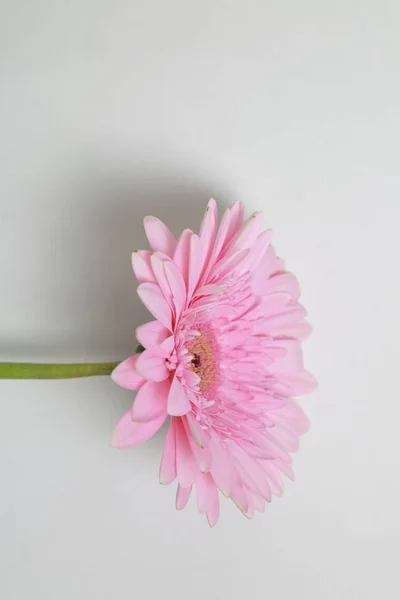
[{"x": 111, "y": 110}]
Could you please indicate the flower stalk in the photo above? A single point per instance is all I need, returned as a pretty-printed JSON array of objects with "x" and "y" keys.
[
  {"x": 13, "y": 370},
  {"x": 23, "y": 370}
]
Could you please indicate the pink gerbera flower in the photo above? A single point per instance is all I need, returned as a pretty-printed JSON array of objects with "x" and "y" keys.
[{"x": 222, "y": 361}]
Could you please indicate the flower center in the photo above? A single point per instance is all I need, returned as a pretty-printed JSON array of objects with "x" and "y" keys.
[{"x": 203, "y": 362}]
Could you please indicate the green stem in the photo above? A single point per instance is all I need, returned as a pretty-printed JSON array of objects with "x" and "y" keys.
[{"x": 10, "y": 370}]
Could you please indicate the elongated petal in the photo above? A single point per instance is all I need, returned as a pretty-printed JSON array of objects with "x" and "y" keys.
[
  {"x": 151, "y": 401},
  {"x": 168, "y": 461},
  {"x": 182, "y": 496},
  {"x": 207, "y": 231},
  {"x": 195, "y": 263},
  {"x": 248, "y": 232},
  {"x": 213, "y": 513},
  {"x": 181, "y": 254},
  {"x": 292, "y": 361},
  {"x": 152, "y": 366},
  {"x": 206, "y": 492},
  {"x": 235, "y": 221},
  {"x": 152, "y": 297},
  {"x": 152, "y": 334},
  {"x": 126, "y": 376},
  {"x": 142, "y": 267},
  {"x": 186, "y": 467},
  {"x": 157, "y": 263},
  {"x": 178, "y": 402},
  {"x": 128, "y": 433},
  {"x": 177, "y": 285},
  {"x": 159, "y": 236}
]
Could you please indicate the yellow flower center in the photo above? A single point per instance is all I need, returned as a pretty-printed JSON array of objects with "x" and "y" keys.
[{"x": 203, "y": 360}]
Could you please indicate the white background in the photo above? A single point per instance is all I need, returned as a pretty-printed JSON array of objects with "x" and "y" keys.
[{"x": 111, "y": 110}]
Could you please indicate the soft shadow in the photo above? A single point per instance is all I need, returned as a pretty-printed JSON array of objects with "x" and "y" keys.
[{"x": 88, "y": 240}]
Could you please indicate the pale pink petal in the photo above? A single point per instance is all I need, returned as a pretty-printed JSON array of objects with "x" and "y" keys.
[
  {"x": 248, "y": 233},
  {"x": 152, "y": 366},
  {"x": 195, "y": 430},
  {"x": 178, "y": 402},
  {"x": 207, "y": 231},
  {"x": 300, "y": 383},
  {"x": 222, "y": 468},
  {"x": 152, "y": 297},
  {"x": 167, "y": 346},
  {"x": 126, "y": 376},
  {"x": 142, "y": 267},
  {"x": 151, "y": 401},
  {"x": 195, "y": 264},
  {"x": 181, "y": 254},
  {"x": 258, "y": 250},
  {"x": 168, "y": 461},
  {"x": 250, "y": 471},
  {"x": 292, "y": 361},
  {"x": 128, "y": 433},
  {"x": 213, "y": 513},
  {"x": 235, "y": 220},
  {"x": 186, "y": 466},
  {"x": 159, "y": 236},
  {"x": 230, "y": 263},
  {"x": 177, "y": 286},
  {"x": 206, "y": 492},
  {"x": 157, "y": 263},
  {"x": 202, "y": 454},
  {"x": 182, "y": 496},
  {"x": 240, "y": 498},
  {"x": 152, "y": 334},
  {"x": 218, "y": 245},
  {"x": 284, "y": 282}
]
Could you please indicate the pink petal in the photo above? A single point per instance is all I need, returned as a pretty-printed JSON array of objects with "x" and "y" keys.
[
  {"x": 201, "y": 454},
  {"x": 292, "y": 361},
  {"x": 219, "y": 243},
  {"x": 250, "y": 471},
  {"x": 300, "y": 383},
  {"x": 284, "y": 282},
  {"x": 159, "y": 236},
  {"x": 168, "y": 461},
  {"x": 142, "y": 267},
  {"x": 177, "y": 285},
  {"x": 213, "y": 513},
  {"x": 152, "y": 334},
  {"x": 222, "y": 468},
  {"x": 182, "y": 497},
  {"x": 178, "y": 402},
  {"x": 195, "y": 429},
  {"x": 207, "y": 231},
  {"x": 259, "y": 249},
  {"x": 239, "y": 497},
  {"x": 166, "y": 348},
  {"x": 235, "y": 220},
  {"x": 206, "y": 492},
  {"x": 287, "y": 323},
  {"x": 181, "y": 255},
  {"x": 151, "y": 402},
  {"x": 126, "y": 376},
  {"x": 158, "y": 262},
  {"x": 186, "y": 466},
  {"x": 248, "y": 233},
  {"x": 230, "y": 263},
  {"x": 152, "y": 366},
  {"x": 128, "y": 433},
  {"x": 152, "y": 297},
  {"x": 195, "y": 263}
]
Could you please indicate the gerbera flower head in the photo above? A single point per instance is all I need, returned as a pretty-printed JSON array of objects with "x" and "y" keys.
[{"x": 222, "y": 361}]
